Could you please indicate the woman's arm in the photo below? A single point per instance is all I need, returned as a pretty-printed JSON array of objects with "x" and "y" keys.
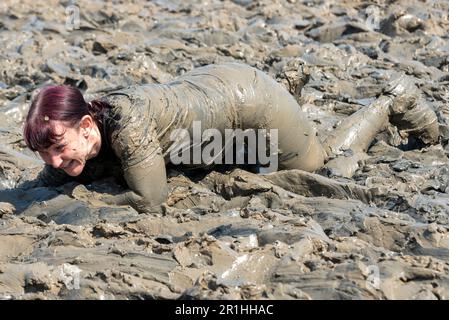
[
  {"x": 134, "y": 141},
  {"x": 148, "y": 184}
]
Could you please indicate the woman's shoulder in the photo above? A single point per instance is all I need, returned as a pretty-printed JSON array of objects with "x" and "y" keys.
[
  {"x": 126, "y": 107},
  {"x": 127, "y": 122},
  {"x": 118, "y": 100},
  {"x": 125, "y": 100}
]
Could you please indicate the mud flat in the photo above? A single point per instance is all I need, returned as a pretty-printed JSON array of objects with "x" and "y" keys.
[{"x": 233, "y": 234}]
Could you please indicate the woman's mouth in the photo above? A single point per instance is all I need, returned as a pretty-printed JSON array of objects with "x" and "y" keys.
[
  {"x": 73, "y": 168},
  {"x": 67, "y": 165}
]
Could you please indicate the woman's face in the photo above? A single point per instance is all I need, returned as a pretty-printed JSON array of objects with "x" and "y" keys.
[{"x": 71, "y": 152}]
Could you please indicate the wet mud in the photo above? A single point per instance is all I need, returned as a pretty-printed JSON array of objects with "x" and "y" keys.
[{"x": 372, "y": 224}]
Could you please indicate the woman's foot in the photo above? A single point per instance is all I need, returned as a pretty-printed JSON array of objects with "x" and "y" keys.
[{"x": 410, "y": 112}]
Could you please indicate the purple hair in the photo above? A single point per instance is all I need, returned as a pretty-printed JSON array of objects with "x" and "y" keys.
[{"x": 63, "y": 103}]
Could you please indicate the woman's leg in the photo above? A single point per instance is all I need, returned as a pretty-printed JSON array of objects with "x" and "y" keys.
[
  {"x": 259, "y": 102},
  {"x": 400, "y": 104},
  {"x": 355, "y": 132},
  {"x": 358, "y": 130}
]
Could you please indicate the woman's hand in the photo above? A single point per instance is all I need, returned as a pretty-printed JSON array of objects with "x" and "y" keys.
[{"x": 129, "y": 198}]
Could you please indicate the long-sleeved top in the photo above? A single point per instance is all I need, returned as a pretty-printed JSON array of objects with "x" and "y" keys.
[{"x": 137, "y": 130}]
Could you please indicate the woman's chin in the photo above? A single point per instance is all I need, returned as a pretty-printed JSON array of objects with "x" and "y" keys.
[{"x": 74, "y": 170}]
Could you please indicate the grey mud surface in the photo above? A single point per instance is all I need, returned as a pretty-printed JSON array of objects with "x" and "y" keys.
[{"x": 382, "y": 234}]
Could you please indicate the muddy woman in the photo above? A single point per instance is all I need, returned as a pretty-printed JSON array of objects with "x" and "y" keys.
[{"x": 129, "y": 133}]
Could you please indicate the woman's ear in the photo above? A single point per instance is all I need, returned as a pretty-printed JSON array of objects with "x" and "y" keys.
[{"x": 86, "y": 125}]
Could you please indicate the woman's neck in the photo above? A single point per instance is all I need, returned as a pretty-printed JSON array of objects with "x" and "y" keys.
[{"x": 95, "y": 142}]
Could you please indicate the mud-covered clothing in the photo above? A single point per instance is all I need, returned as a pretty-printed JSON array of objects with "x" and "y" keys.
[{"x": 138, "y": 127}]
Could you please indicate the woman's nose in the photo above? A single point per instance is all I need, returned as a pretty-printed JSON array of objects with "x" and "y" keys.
[{"x": 54, "y": 160}]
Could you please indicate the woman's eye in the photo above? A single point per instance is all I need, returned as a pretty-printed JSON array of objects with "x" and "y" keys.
[{"x": 60, "y": 147}]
